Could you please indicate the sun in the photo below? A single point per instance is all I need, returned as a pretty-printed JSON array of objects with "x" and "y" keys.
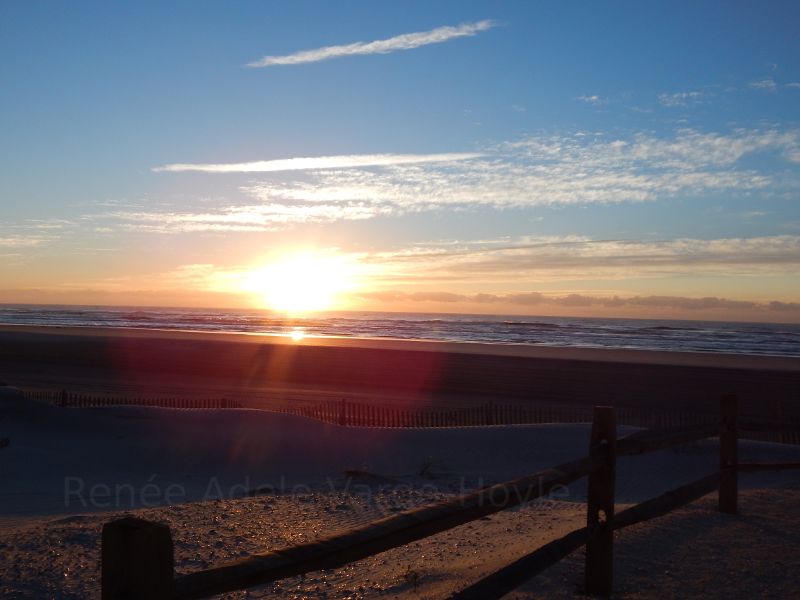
[{"x": 302, "y": 282}]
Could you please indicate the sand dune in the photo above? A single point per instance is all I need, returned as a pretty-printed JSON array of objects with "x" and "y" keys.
[{"x": 54, "y": 451}]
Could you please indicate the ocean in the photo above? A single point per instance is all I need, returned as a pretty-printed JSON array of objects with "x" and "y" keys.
[{"x": 677, "y": 336}]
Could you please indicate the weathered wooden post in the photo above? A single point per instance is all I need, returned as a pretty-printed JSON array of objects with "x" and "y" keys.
[
  {"x": 600, "y": 504},
  {"x": 728, "y": 456},
  {"x": 137, "y": 560}
]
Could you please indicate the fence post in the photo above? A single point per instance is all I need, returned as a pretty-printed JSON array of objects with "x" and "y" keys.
[
  {"x": 728, "y": 456},
  {"x": 600, "y": 504},
  {"x": 137, "y": 560}
]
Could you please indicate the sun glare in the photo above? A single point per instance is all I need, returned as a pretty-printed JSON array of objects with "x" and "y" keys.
[{"x": 302, "y": 283}]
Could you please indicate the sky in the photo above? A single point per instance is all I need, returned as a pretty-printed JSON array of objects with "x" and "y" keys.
[{"x": 632, "y": 159}]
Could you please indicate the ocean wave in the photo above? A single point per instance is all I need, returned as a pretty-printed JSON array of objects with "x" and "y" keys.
[
  {"x": 669, "y": 328},
  {"x": 745, "y": 338},
  {"x": 530, "y": 325}
]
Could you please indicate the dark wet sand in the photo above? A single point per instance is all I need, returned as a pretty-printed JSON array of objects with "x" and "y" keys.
[{"x": 267, "y": 369}]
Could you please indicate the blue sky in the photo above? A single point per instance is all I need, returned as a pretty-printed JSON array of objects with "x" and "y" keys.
[{"x": 567, "y": 149}]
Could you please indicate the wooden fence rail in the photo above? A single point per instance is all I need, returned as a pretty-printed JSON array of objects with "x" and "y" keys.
[
  {"x": 505, "y": 580},
  {"x": 379, "y": 536},
  {"x": 138, "y": 556},
  {"x": 647, "y": 441}
]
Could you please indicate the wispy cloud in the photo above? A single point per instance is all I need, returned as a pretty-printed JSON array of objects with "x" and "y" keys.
[
  {"x": 348, "y": 161},
  {"x": 502, "y": 264},
  {"x": 246, "y": 218},
  {"x": 593, "y": 99},
  {"x": 573, "y": 257},
  {"x": 17, "y": 241},
  {"x": 681, "y": 98},
  {"x": 767, "y": 85},
  {"x": 438, "y": 274},
  {"x": 546, "y": 171},
  {"x": 794, "y": 85},
  {"x": 406, "y": 41},
  {"x": 578, "y": 169},
  {"x": 31, "y": 232}
]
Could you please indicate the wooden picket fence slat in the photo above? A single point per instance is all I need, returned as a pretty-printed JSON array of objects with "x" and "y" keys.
[
  {"x": 75, "y": 400},
  {"x": 359, "y": 414}
]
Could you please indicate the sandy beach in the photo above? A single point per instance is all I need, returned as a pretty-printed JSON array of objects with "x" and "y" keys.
[
  {"x": 233, "y": 482},
  {"x": 260, "y": 370}
]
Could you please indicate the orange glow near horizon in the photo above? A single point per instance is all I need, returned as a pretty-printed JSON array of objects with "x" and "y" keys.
[{"x": 302, "y": 283}]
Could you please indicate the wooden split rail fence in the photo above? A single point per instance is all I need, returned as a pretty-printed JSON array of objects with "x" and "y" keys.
[{"x": 138, "y": 560}]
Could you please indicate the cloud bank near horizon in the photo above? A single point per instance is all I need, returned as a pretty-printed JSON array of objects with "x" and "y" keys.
[
  {"x": 406, "y": 41},
  {"x": 577, "y": 258},
  {"x": 578, "y": 300},
  {"x": 207, "y": 278}
]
